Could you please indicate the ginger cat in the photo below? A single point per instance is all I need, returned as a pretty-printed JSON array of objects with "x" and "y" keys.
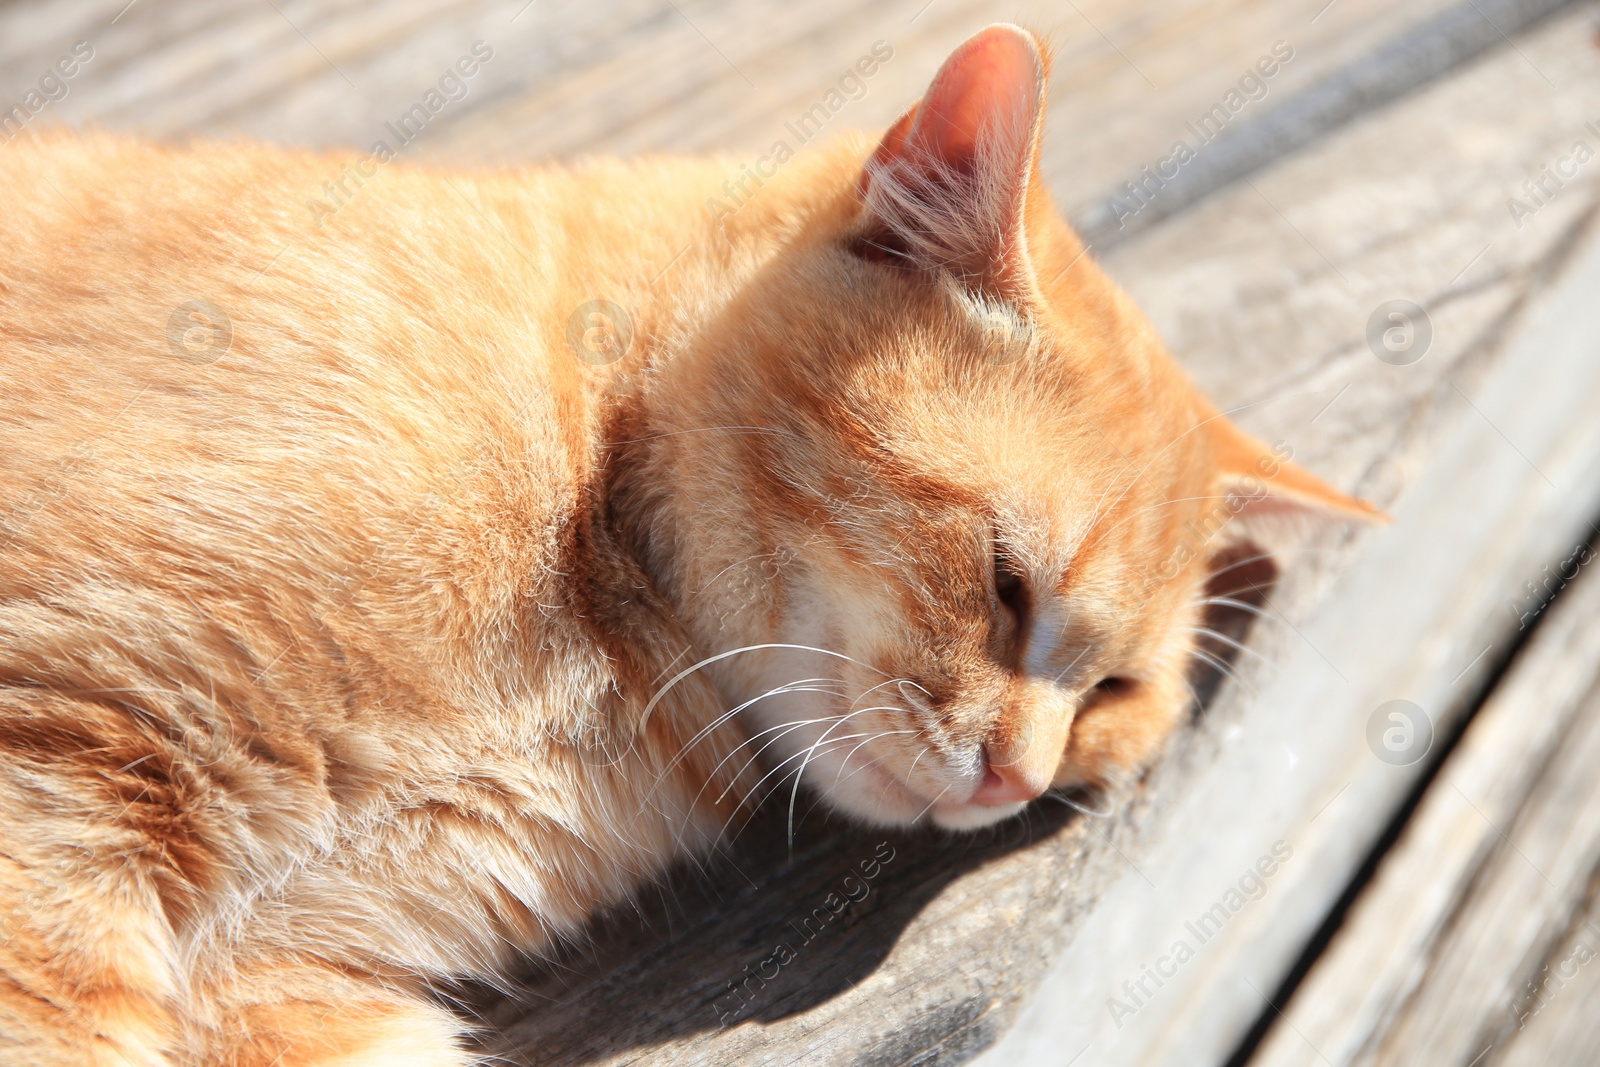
[{"x": 379, "y": 600}]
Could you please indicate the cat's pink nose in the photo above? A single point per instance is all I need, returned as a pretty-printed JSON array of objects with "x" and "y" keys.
[{"x": 1005, "y": 784}]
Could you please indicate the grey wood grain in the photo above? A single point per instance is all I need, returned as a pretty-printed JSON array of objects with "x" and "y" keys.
[
  {"x": 1557, "y": 1022},
  {"x": 1489, "y": 886},
  {"x": 1426, "y": 51},
  {"x": 573, "y": 77}
]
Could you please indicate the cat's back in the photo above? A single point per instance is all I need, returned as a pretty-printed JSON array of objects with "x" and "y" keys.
[
  {"x": 296, "y": 572},
  {"x": 234, "y": 422}
]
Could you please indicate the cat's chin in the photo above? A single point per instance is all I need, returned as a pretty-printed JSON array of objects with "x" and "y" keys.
[
  {"x": 890, "y": 802},
  {"x": 954, "y": 817},
  {"x": 972, "y": 816}
]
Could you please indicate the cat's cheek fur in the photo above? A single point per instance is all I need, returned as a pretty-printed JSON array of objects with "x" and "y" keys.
[{"x": 791, "y": 700}]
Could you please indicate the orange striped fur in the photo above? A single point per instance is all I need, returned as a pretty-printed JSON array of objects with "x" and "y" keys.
[{"x": 347, "y": 648}]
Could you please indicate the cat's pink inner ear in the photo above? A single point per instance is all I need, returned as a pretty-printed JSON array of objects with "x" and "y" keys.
[
  {"x": 990, "y": 90},
  {"x": 949, "y": 179}
]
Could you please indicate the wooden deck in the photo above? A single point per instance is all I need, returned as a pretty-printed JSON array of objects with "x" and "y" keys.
[{"x": 1436, "y": 905}]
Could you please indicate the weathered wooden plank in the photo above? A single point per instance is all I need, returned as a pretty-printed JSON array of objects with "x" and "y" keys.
[
  {"x": 1488, "y": 885},
  {"x": 1559, "y": 1024},
  {"x": 1430, "y": 49},
  {"x": 1468, "y": 1003},
  {"x": 573, "y": 77}
]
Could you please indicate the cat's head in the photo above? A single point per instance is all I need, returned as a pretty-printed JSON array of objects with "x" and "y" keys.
[{"x": 946, "y": 473}]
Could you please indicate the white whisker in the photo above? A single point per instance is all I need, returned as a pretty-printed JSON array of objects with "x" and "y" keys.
[
  {"x": 783, "y": 730},
  {"x": 1069, "y": 666},
  {"x": 1206, "y": 631},
  {"x": 786, "y": 727},
  {"x": 1221, "y": 668},
  {"x": 1081, "y": 809},
  {"x": 1237, "y": 605},
  {"x": 644, "y": 716},
  {"x": 800, "y": 774},
  {"x": 930, "y": 804},
  {"x": 806, "y": 685},
  {"x": 868, "y": 741},
  {"x": 808, "y": 722}
]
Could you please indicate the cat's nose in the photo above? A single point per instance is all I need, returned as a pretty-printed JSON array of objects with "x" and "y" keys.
[{"x": 1007, "y": 783}]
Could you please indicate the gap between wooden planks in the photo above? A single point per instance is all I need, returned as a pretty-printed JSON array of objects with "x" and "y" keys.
[{"x": 1489, "y": 889}]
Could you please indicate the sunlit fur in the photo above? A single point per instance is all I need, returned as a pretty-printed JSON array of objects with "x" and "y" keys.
[{"x": 325, "y": 667}]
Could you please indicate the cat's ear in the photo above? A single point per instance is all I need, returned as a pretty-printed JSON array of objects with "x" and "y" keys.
[
  {"x": 1262, "y": 483},
  {"x": 947, "y": 187}
]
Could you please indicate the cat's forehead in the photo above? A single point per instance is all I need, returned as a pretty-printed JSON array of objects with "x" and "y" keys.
[{"x": 1037, "y": 452}]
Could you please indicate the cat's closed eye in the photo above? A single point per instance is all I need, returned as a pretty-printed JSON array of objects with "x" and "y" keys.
[
  {"x": 1113, "y": 685},
  {"x": 1015, "y": 602}
]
